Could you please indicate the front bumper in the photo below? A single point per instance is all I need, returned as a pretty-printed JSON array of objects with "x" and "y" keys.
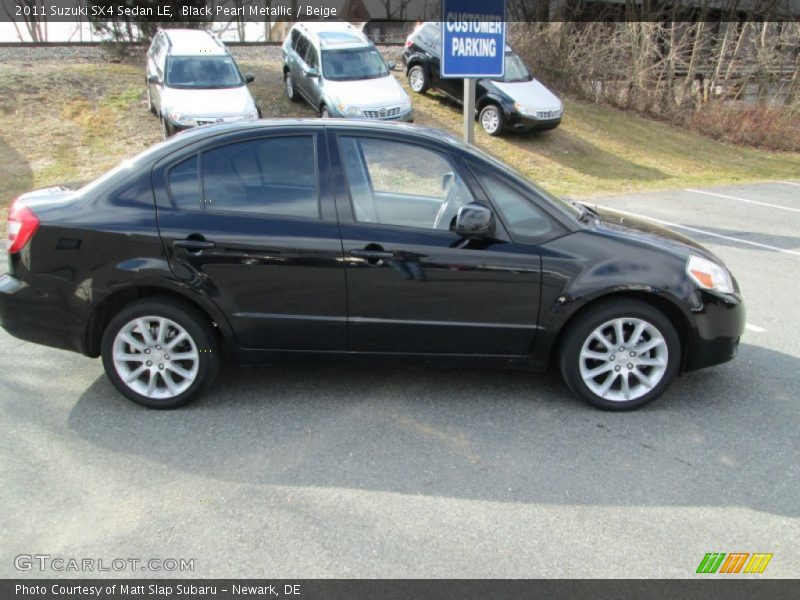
[
  {"x": 200, "y": 121},
  {"x": 717, "y": 325},
  {"x": 405, "y": 117},
  {"x": 517, "y": 120}
]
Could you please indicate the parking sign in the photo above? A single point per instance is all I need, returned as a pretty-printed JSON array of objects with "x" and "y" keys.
[{"x": 473, "y": 38}]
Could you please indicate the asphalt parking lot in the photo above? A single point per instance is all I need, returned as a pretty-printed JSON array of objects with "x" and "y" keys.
[{"x": 331, "y": 470}]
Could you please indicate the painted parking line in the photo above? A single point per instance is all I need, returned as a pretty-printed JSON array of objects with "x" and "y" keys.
[
  {"x": 790, "y": 183},
  {"x": 700, "y": 231},
  {"x": 754, "y": 328},
  {"x": 726, "y": 196}
]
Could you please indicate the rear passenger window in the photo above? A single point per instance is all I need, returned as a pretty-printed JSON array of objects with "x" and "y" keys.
[
  {"x": 184, "y": 186},
  {"x": 271, "y": 176},
  {"x": 302, "y": 47},
  {"x": 295, "y": 37}
]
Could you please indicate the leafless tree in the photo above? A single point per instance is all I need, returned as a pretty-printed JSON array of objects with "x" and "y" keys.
[{"x": 33, "y": 17}]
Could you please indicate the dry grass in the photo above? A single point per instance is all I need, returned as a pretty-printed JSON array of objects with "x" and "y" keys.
[
  {"x": 63, "y": 122},
  {"x": 760, "y": 126}
]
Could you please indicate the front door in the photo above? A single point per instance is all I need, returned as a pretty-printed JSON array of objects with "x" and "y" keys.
[
  {"x": 251, "y": 224},
  {"x": 413, "y": 284}
]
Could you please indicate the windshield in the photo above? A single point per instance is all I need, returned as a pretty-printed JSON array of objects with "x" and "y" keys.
[
  {"x": 515, "y": 69},
  {"x": 354, "y": 63},
  {"x": 203, "y": 72}
]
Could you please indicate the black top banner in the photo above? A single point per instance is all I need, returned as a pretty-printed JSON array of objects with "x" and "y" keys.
[{"x": 169, "y": 11}]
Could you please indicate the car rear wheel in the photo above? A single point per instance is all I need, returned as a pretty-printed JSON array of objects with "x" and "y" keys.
[
  {"x": 491, "y": 119},
  {"x": 290, "y": 93},
  {"x": 620, "y": 355},
  {"x": 160, "y": 353},
  {"x": 418, "y": 79}
]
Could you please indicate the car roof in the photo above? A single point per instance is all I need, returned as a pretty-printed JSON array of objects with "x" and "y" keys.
[
  {"x": 197, "y": 134},
  {"x": 334, "y": 34},
  {"x": 193, "y": 42}
]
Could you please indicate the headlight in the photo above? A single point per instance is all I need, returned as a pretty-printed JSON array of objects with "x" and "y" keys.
[
  {"x": 709, "y": 275},
  {"x": 180, "y": 119},
  {"x": 350, "y": 111},
  {"x": 521, "y": 108}
]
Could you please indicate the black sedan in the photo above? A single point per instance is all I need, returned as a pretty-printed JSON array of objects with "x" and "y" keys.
[{"x": 244, "y": 242}]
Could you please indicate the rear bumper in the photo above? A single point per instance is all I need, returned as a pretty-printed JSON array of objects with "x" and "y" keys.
[
  {"x": 717, "y": 327},
  {"x": 36, "y": 315}
]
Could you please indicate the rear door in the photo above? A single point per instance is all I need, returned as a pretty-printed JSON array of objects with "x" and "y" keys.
[{"x": 249, "y": 222}]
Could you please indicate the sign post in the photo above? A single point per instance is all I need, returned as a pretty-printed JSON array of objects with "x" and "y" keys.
[{"x": 473, "y": 46}]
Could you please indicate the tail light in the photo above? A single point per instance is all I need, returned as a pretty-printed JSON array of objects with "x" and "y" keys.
[
  {"x": 409, "y": 43},
  {"x": 22, "y": 224}
]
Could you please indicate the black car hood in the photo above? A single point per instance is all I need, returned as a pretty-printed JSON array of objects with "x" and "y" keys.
[{"x": 615, "y": 223}]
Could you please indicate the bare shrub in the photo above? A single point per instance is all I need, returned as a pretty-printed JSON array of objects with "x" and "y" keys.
[
  {"x": 672, "y": 69},
  {"x": 777, "y": 128}
]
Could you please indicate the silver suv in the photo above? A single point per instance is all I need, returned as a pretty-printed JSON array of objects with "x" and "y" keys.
[
  {"x": 339, "y": 72},
  {"x": 192, "y": 80}
]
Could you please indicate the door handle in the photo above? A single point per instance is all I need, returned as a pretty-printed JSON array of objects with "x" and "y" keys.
[
  {"x": 371, "y": 254},
  {"x": 194, "y": 245}
]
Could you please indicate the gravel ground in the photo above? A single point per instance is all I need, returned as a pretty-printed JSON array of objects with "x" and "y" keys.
[{"x": 91, "y": 54}]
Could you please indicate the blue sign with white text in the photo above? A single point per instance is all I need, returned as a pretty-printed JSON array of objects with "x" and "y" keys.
[{"x": 473, "y": 38}]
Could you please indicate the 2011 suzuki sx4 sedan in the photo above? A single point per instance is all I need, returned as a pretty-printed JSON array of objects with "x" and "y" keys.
[{"x": 244, "y": 241}]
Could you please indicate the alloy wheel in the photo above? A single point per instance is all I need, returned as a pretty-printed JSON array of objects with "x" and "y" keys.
[
  {"x": 155, "y": 357},
  {"x": 490, "y": 120},
  {"x": 623, "y": 359},
  {"x": 289, "y": 86},
  {"x": 416, "y": 79}
]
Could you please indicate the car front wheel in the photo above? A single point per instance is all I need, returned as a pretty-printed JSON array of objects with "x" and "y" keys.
[
  {"x": 290, "y": 93},
  {"x": 620, "y": 355},
  {"x": 160, "y": 352},
  {"x": 491, "y": 119},
  {"x": 150, "y": 106},
  {"x": 418, "y": 79}
]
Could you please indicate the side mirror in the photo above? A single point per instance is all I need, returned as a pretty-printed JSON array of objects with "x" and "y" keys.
[
  {"x": 312, "y": 72},
  {"x": 391, "y": 66},
  {"x": 153, "y": 79},
  {"x": 249, "y": 78},
  {"x": 475, "y": 221}
]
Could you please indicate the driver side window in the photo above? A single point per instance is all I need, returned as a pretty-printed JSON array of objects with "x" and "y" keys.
[
  {"x": 521, "y": 215},
  {"x": 401, "y": 184}
]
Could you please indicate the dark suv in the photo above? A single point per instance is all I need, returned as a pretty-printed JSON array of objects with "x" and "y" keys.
[
  {"x": 243, "y": 241},
  {"x": 517, "y": 101}
]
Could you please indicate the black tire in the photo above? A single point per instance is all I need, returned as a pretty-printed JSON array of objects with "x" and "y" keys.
[
  {"x": 419, "y": 76},
  {"x": 260, "y": 114},
  {"x": 582, "y": 327},
  {"x": 187, "y": 316},
  {"x": 492, "y": 119},
  {"x": 291, "y": 93},
  {"x": 150, "y": 106},
  {"x": 166, "y": 130}
]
